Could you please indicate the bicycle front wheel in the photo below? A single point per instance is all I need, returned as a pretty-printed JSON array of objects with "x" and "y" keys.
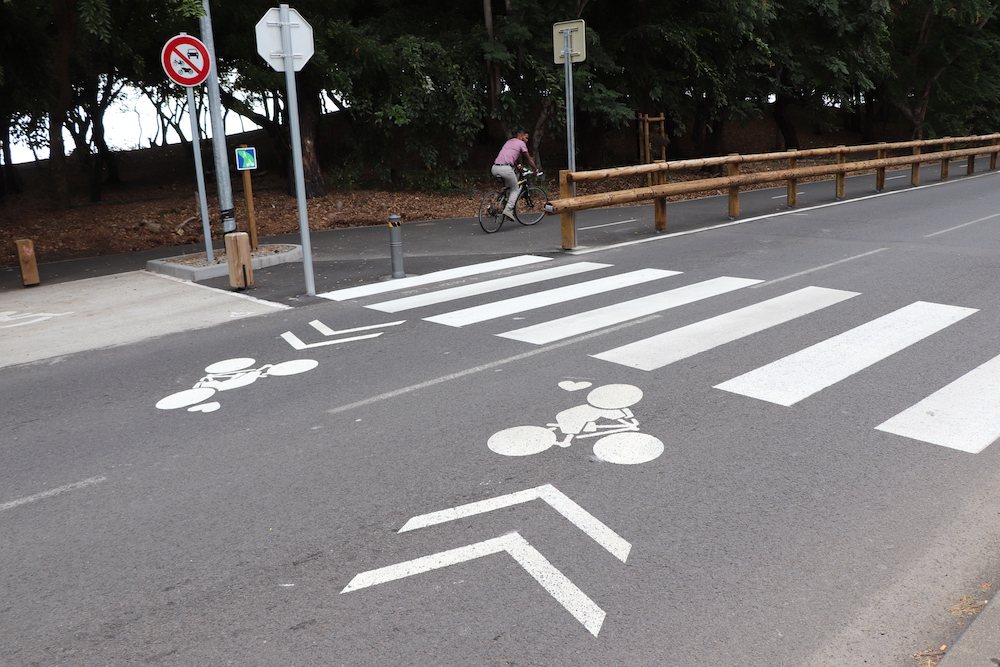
[
  {"x": 530, "y": 206},
  {"x": 491, "y": 212}
]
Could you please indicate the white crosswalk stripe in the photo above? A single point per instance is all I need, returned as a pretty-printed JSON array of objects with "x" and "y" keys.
[
  {"x": 964, "y": 415},
  {"x": 520, "y": 304},
  {"x": 475, "y": 289},
  {"x": 429, "y": 278},
  {"x": 666, "y": 348},
  {"x": 591, "y": 320},
  {"x": 798, "y": 376}
]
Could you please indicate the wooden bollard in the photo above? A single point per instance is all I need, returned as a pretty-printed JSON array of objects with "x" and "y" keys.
[
  {"x": 239, "y": 260},
  {"x": 29, "y": 263}
]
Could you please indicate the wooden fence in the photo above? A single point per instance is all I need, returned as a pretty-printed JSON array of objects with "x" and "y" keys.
[{"x": 568, "y": 204}]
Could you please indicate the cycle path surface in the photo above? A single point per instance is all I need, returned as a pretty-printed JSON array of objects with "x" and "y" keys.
[{"x": 107, "y": 301}]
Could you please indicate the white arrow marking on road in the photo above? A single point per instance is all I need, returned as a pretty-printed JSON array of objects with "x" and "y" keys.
[
  {"x": 298, "y": 344},
  {"x": 555, "y": 582},
  {"x": 559, "y": 501}
]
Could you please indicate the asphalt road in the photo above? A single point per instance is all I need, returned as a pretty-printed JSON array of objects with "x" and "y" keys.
[{"x": 767, "y": 493}]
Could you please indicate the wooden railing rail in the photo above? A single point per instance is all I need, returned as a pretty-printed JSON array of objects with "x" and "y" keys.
[{"x": 568, "y": 204}]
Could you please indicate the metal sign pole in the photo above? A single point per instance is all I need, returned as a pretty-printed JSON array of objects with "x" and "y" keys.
[
  {"x": 218, "y": 129},
  {"x": 570, "y": 125},
  {"x": 200, "y": 171},
  {"x": 293, "y": 121}
]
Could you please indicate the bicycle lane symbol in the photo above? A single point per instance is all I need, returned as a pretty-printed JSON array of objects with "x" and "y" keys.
[
  {"x": 606, "y": 416},
  {"x": 226, "y": 375}
]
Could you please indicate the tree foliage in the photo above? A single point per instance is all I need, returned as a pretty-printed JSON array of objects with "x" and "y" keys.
[{"x": 415, "y": 85}]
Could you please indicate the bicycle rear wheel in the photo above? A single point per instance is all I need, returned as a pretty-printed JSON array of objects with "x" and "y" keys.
[
  {"x": 530, "y": 206},
  {"x": 491, "y": 212}
]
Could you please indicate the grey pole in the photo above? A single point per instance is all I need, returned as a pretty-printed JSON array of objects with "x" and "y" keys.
[
  {"x": 200, "y": 170},
  {"x": 396, "y": 246},
  {"x": 570, "y": 124},
  {"x": 218, "y": 129},
  {"x": 293, "y": 122}
]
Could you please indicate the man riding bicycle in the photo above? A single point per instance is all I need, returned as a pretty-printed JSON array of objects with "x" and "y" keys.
[{"x": 503, "y": 167}]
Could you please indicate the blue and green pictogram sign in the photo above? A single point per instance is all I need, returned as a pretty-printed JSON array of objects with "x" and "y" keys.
[{"x": 246, "y": 158}]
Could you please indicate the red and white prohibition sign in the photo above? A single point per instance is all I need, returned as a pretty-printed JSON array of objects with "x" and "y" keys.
[{"x": 186, "y": 61}]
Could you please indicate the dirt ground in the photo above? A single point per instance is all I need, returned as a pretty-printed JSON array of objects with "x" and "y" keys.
[{"x": 157, "y": 206}]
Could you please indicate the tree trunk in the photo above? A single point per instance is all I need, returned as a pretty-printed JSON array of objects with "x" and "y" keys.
[
  {"x": 310, "y": 113},
  {"x": 782, "y": 102},
  {"x": 65, "y": 20}
]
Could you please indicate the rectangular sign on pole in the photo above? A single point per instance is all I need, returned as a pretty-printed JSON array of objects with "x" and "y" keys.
[
  {"x": 246, "y": 158},
  {"x": 577, "y": 31}
]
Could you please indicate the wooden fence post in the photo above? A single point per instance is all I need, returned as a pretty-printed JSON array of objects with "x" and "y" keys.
[
  {"x": 567, "y": 220},
  {"x": 734, "y": 192},
  {"x": 793, "y": 183},
  {"x": 660, "y": 203},
  {"x": 993, "y": 155},
  {"x": 880, "y": 172},
  {"x": 842, "y": 176},
  {"x": 29, "y": 263},
  {"x": 971, "y": 166},
  {"x": 915, "y": 168},
  {"x": 944, "y": 161},
  {"x": 239, "y": 260}
]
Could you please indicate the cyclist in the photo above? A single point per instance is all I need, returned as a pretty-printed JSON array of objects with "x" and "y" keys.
[{"x": 503, "y": 167}]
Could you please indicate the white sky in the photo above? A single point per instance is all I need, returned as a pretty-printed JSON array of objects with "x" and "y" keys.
[{"x": 131, "y": 123}]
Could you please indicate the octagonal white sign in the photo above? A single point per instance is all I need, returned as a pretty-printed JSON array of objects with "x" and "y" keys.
[{"x": 268, "y": 31}]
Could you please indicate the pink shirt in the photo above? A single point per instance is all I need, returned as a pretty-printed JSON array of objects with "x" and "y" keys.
[{"x": 511, "y": 151}]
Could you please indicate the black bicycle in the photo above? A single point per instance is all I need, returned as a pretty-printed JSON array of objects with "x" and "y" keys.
[{"x": 528, "y": 208}]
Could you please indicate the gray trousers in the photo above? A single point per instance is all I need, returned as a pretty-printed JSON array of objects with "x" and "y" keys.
[{"x": 506, "y": 173}]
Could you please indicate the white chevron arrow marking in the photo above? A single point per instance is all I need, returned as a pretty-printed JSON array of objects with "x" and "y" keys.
[
  {"x": 559, "y": 501},
  {"x": 298, "y": 344},
  {"x": 555, "y": 582}
]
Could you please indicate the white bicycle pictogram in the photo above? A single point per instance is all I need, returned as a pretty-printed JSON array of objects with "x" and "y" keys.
[
  {"x": 618, "y": 437},
  {"x": 229, "y": 374}
]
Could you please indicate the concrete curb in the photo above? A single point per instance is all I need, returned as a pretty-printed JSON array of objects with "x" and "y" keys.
[
  {"x": 196, "y": 273},
  {"x": 979, "y": 646}
]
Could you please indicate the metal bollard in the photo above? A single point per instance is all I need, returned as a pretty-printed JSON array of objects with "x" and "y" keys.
[{"x": 396, "y": 246}]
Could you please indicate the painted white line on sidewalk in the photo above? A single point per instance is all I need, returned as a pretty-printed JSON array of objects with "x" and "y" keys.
[
  {"x": 552, "y": 580},
  {"x": 608, "y": 224},
  {"x": 238, "y": 295},
  {"x": 964, "y": 224},
  {"x": 795, "y": 377},
  {"x": 963, "y": 415},
  {"x": 579, "y": 517},
  {"x": 482, "y": 367},
  {"x": 817, "y": 268},
  {"x": 658, "y": 351},
  {"x": 428, "y": 278},
  {"x": 53, "y": 492},
  {"x": 520, "y": 304},
  {"x": 591, "y": 320},
  {"x": 768, "y": 216},
  {"x": 496, "y": 285}
]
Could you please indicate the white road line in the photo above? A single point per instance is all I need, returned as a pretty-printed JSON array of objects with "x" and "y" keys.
[
  {"x": 579, "y": 517},
  {"x": 53, "y": 492},
  {"x": 964, "y": 224},
  {"x": 574, "y": 325},
  {"x": 463, "y": 291},
  {"x": 480, "y": 368},
  {"x": 434, "y": 277},
  {"x": 608, "y": 224},
  {"x": 795, "y": 377},
  {"x": 963, "y": 415},
  {"x": 552, "y": 580},
  {"x": 818, "y": 268},
  {"x": 792, "y": 212},
  {"x": 658, "y": 351},
  {"x": 520, "y": 304}
]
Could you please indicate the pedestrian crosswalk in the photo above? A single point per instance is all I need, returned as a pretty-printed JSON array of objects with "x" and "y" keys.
[{"x": 962, "y": 415}]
